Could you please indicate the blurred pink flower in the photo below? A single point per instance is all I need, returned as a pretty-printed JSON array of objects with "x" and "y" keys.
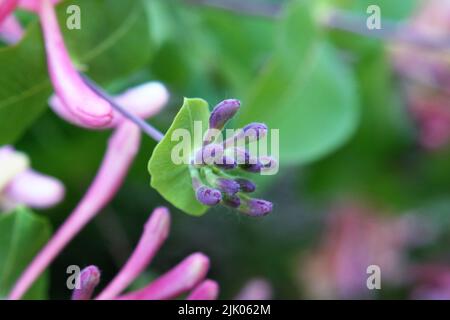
[
  {"x": 10, "y": 30},
  {"x": 356, "y": 238},
  {"x": 21, "y": 185},
  {"x": 427, "y": 73},
  {"x": 255, "y": 289},
  {"x": 187, "y": 275},
  {"x": 432, "y": 282}
]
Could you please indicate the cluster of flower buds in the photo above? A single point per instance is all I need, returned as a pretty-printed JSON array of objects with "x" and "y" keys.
[
  {"x": 188, "y": 275},
  {"x": 216, "y": 168},
  {"x": 21, "y": 185}
]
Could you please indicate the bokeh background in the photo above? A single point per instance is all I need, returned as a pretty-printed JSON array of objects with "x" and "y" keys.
[{"x": 364, "y": 124}]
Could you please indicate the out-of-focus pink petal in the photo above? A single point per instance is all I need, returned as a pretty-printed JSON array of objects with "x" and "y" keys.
[
  {"x": 35, "y": 190},
  {"x": 11, "y": 164},
  {"x": 155, "y": 232},
  {"x": 86, "y": 283},
  {"x": 6, "y": 8},
  {"x": 256, "y": 289},
  {"x": 11, "y": 31},
  {"x": 183, "y": 277},
  {"x": 207, "y": 290},
  {"x": 144, "y": 101},
  {"x": 122, "y": 149},
  {"x": 33, "y": 5},
  {"x": 80, "y": 100}
]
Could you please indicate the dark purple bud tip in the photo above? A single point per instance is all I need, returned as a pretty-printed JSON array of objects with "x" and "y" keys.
[
  {"x": 232, "y": 201},
  {"x": 226, "y": 163},
  {"x": 246, "y": 185},
  {"x": 223, "y": 112},
  {"x": 230, "y": 187},
  {"x": 255, "y": 130},
  {"x": 208, "y": 196},
  {"x": 258, "y": 207},
  {"x": 254, "y": 168}
]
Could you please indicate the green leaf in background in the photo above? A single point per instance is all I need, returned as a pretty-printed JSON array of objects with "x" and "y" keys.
[
  {"x": 173, "y": 181},
  {"x": 22, "y": 234},
  {"x": 24, "y": 86},
  {"x": 306, "y": 92}
]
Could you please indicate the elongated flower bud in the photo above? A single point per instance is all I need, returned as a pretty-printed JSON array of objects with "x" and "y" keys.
[
  {"x": 222, "y": 113},
  {"x": 232, "y": 201},
  {"x": 86, "y": 283},
  {"x": 207, "y": 290},
  {"x": 80, "y": 100},
  {"x": 230, "y": 187},
  {"x": 155, "y": 233},
  {"x": 257, "y": 207},
  {"x": 208, "y": 196},
  {"x": 253, "y": 168},
  {"x": 259, "y": 130},
  {"x": 246, "y": 185},
  {"x": 183, "y": 277},
  {"x": 226, "y": 163}
]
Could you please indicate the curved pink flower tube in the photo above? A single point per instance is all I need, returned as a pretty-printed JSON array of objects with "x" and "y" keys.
[
  {"x": 206, "y": 290},
  {"x": 6, "y": 8},
  {"x": 122, "y": 148},
  {"x": 10, "y": 30},
  {"x": 81, "y": 102}
]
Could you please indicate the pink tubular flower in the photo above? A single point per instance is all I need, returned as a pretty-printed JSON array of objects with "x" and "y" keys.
[
  {"x": 182, "y": 278},
  {"x": 79, "y": 99},
  {"x": 86, "y": 283},
  {"x": 122, "y": 148},
  {"x": 6, "y": 8},
  {"x": 255, "y": 289},
  {"x": 21, "y": 185},
  {"x": 432, "y": 282}
]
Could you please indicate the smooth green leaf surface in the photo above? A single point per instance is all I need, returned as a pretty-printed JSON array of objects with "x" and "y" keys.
[
  {"x": 22, "y": 234},
  {"x": 173, "y": 181},
  {"x": 306, "y": 92}
]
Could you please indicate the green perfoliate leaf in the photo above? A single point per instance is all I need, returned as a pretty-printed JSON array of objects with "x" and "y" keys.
[
  {"x": 22, "y": 234},
  {"x": 306, "y": 91},
  {"x": 173, "y": 181}
]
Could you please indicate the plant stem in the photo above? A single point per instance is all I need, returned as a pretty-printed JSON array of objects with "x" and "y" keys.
[{"x": 144, "y": 126}]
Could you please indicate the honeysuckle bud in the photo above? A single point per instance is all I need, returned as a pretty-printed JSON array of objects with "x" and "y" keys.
[
  {"x": 226, "y": 163},
  {"x": 11, "y": 31},
  {"x": 144, "y": 101},
  {"x": 207, "y": 290},
  {"x": 85, "y": 285},
  {"x": 232, "y": 201},
  {"x": 208, "y": 196},
  {"x": 246, "y": 185},
  {"x": 254, "y": 168},
  {"x": 34, "y": 189},
  {"x": 230, "y": 187},
  {"x": 209, "y": 154},
  {"x": 183, "y": 277},
  {"x": 19, "y": 184},
  {"x": 223, "y": 112},
  {"x": 155, "y": 233},
  {"x": 80, "y": 100},
  {"x": 255, "y": 131},
  {"x": 257, "y": 207}
]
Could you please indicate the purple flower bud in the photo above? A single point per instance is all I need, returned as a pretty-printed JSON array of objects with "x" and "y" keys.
[
  {"x": 246, "y": 185},
  {"x": 208, "y": 196},
  {"x": 223, "y": 112},
  {"x": 86, "y": 283},
  {"x": 208, "y": 154},
  {"x": 226, "y": 163},
  {"x": 232, "y": 201},
  {"x": 254, "y": 168},
  {"x": 255, "y": 130},
  {"x": 230, "y": 187},
  {"x": 258, "y": 207}
]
